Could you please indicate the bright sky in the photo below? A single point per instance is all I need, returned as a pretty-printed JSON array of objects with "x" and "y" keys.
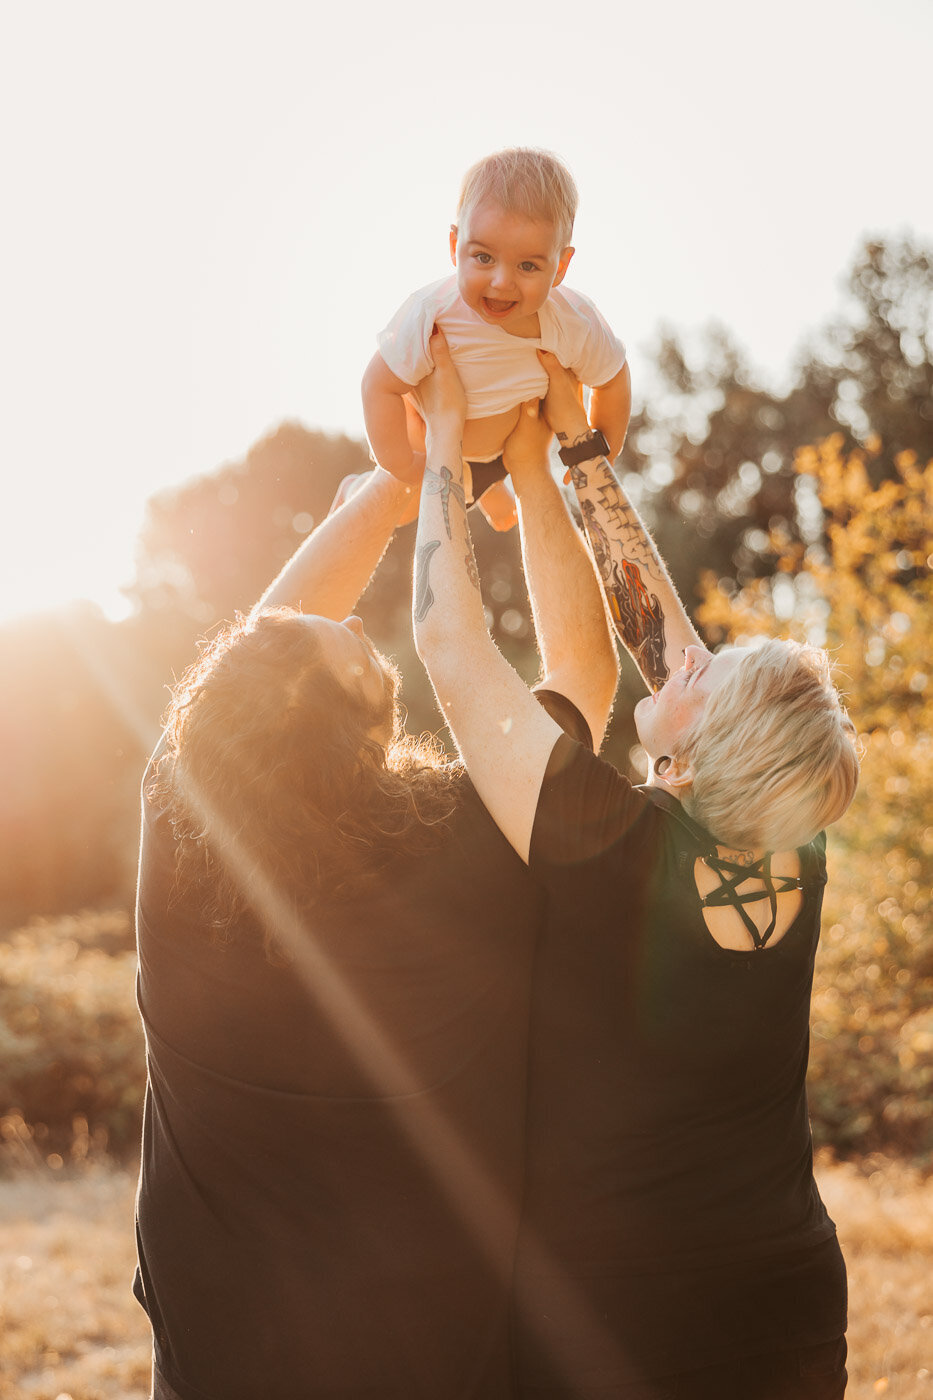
[{"x": 210, "y": 209}]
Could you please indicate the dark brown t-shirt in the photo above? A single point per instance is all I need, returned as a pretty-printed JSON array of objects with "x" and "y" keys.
[{"x": 333, "y": 1154}]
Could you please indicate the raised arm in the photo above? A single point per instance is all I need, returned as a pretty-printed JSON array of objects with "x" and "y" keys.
[
  {"x": 503, "y": 735},
  {"x": 578, "y": 654},
  {"x": 331, "y": 568},
  {"x": 646, "y": 612},
  {"x": 611, "y": 409}
]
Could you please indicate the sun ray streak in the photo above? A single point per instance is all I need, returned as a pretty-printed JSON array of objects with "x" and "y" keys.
[
  {"x": 468, "y": 1186},
  {"x": 470, "y": 1189}
]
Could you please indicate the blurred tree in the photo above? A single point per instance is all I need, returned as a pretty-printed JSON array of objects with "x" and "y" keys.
[
  {"x": 211, "y": 547},
  {"x": 879, "y": 360},
  {"x": 868, "y": 595},
  {"x": 712, "y": 454},
  {"x": 78, "y": 712}
]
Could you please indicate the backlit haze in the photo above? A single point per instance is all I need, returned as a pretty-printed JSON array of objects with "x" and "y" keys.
[{"x": 209, "y": 211}]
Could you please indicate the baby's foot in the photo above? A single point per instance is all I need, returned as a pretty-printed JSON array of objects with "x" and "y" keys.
[{"x": 498, "y": 505}]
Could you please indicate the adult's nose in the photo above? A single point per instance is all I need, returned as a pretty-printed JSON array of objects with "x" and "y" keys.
[{"x": 695, "y": 656}]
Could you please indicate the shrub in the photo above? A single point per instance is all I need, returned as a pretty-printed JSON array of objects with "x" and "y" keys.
[
  {"x": 72, "y": 1063},
  {"x": 865, "y": 590}
]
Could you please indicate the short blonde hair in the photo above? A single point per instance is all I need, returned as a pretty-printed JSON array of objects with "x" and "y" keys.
[
  {"x": 523, "y": 180},
  {"x": 773, "y": 755}
]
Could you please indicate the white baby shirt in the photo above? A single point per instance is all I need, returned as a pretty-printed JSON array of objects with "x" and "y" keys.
[{"x": 499, "y": 370}]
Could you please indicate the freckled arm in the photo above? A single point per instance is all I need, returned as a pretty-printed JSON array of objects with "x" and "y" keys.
[{"x": 331, "y": 568}]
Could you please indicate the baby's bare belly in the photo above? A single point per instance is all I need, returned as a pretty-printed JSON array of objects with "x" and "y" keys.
[{"x": 484, "y": 437}]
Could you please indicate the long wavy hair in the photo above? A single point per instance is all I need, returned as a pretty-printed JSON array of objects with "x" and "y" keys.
[{"x": 273, "y": 777}]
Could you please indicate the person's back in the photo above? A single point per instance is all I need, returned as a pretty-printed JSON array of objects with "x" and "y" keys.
[
  {"x": 335, "y": 947},
  {"x": 334, "y": 1142},
  {"x": 684, "y": 1212}
]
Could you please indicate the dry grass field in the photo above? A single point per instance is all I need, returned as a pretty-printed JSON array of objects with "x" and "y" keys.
[{"x": 70, "y": 1329}]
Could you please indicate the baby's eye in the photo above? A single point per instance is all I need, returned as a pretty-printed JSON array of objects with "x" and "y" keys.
[
  {"x": 483, "y": 258},
  {"x": 528, "y": 267}
]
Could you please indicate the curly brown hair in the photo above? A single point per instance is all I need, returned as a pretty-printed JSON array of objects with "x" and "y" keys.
[{"x": 272, "y": 777}]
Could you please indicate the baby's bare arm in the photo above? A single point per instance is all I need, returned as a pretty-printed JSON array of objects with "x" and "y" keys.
[
  {"x": 611, "y": 408},
  {"x": 385, "y": 418}
]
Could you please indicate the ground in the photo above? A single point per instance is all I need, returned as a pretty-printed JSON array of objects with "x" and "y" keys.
[{"x": 71, "y": 1330}]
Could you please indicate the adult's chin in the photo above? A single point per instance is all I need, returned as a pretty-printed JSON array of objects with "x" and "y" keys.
[{"x": 641, "y": 729}]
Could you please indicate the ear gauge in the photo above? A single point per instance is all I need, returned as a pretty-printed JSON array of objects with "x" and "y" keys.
[{"x": 662, "y": 764}]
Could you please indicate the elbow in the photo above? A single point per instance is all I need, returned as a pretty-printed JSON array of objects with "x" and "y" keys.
[
  {"x": 431, "y": 638},
  {"x": 369, "y": 385},
  {"x": 450, "y": 649},
  {"x": 605, "y": 672},
  {"x": 608, "y": 689},
  {"x": 435, "y": 655}
]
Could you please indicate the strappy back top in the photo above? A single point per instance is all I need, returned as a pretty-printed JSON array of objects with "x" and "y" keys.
[{"x": 732, "y": 874}]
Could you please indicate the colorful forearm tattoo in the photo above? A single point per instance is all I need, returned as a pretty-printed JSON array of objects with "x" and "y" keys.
[{"x": 622, "y": 562}]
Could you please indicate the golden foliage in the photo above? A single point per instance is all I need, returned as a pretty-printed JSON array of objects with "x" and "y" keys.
[{"x": 866, "y": 592}]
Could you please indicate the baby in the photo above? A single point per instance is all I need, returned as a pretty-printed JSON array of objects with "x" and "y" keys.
[{"x": 511, "y": 248}]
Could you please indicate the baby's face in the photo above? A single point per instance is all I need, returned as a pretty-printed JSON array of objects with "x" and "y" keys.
[{"x": 506, "y": 265}]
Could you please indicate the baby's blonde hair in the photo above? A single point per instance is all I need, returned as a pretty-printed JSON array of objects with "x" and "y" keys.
[
  {"x": 773, "y": 754},
  {"x": 523, "y": 180}
]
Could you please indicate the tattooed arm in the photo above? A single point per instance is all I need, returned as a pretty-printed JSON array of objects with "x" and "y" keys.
[
  {"x": 643, "y": 603},
  {"x": 502, "y": 734},
  {"x": 579, "y": 658}
]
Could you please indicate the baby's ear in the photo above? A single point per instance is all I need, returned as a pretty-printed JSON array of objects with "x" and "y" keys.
[
  {"x": 453, "y": 244},
  {"x": 563, "y": 265}
]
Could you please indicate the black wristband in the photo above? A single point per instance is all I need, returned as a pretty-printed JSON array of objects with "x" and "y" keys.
[{"x": 593, "y": 445}]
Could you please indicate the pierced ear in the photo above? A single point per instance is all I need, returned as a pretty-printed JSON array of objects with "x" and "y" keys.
[
  {"x": 678, "y": 776},
  {"x": 563, "y": 265},
  {"x": 453, "y": 244}
]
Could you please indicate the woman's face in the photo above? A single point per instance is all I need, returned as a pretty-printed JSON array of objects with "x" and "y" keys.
[
  {"x": 663, "y": 719},
  {"x": 356, "y": 663}
]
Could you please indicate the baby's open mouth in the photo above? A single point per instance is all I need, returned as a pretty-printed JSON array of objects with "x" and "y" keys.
[{"x": 497, "y": 308}]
